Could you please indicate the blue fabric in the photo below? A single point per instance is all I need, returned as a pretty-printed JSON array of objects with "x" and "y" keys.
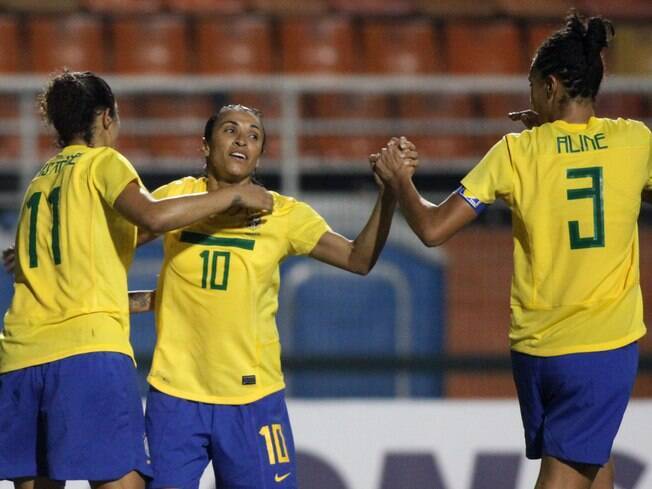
[
  {"x": 79, "y": 418},
  {"x": 572, "y": 405},
  {"x": 185, "y": 435},
  {"x": 476, "y": 204}
]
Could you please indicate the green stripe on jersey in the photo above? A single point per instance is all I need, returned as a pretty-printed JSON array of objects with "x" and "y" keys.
[{"x": 208, "y": 240}]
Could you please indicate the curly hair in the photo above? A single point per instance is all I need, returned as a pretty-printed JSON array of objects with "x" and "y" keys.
[
  {"x": 573, "y": 54},
  {"x": 70, "y": 102}
]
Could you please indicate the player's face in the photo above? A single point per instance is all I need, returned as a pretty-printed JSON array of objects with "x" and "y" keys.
[{"x": 234, "y": 149}]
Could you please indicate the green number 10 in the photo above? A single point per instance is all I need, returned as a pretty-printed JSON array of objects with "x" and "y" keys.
[
  {"x": 595, "y": 193},
  {"x": 33, "y": 205}
]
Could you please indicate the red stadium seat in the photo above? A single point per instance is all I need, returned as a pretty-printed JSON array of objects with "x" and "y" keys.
[
  {"x": 206, "y": 6},
  {"x": 234, "y": 45},
  {"x": 178, "y": 144},
  {"x": 625, "y": 105},
  {"x": 537, "y": 33},
  {"x": 40, "y": 6},
  {"x": 371, "y": 7},
  {"x": 338, "y": 150},
  {"x": 268, "y": 103},
  {"x": 498, "y": 105},
  {"x": 317, "y": 45},
  {"x": 536, "y": 8},
  {"x": 8, "y": 44},
  {"x": 631, "y": 10},
  {"x": 348, "y": 106},
  {"x": 404, "y": 48},
  {"x": 449, "y": 147},
  {"x": 436, "y": 105},
  {"x": 122, "y": 6},
  {"x": 73, "y": 42},
  {"x": 150, "y": 45},
  {"x": 484, "y": 47},
  {"x": 289, "y": 7},
  {"x": 631, "y": 52},
  {"x": 454, "y": 8}
]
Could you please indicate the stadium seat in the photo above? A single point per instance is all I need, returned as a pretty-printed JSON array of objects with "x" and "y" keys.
[
  {"x": 484, "y": 47},
  {"x": 631, "y": 10},
  {"x": 289, "y": 7},
  {"x": 234, "y": 45},
  {"x": 625, "y": 105},
  {"x": 536, "y": 8},
  {"x": 190, "y": 111},
  {"x": 498, "y": 105},
  {"x": 347, "y": 105},
  {"x": 268, "y": 103},
  {"x": 374, "y": 7},
  {"x": 206, "y": 6},
  {"x": 73, "y": 42},
  {"x": 122, "y": 6},
  {"x": 406, "y": 47},
  {"x": 317, "y": 45},
  {"x": 454, "y": 8},
  {"x": 537, "y": 33},
  {"x": 40, "y": 6},
  {"x": 154, "y": 44},
  {"x": 450, "y": 149},
  {"x": 8, "y": 44},
  {"x": 436, "y": 105},
  {"x": 631, "y": 52}
]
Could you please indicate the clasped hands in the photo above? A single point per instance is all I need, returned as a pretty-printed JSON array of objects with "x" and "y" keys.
[{"x": 398, "y": 159}]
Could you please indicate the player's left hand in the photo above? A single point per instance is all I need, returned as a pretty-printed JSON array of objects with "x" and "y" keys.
[
  {"x": 528, "y": 117},
  {"x": 393, "y": 161},
  {"x": 9, "y": 259}
]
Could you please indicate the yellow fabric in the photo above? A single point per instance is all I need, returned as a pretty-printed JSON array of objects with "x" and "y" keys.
[
  {"x": 575, "y": 286},
  {"x": 217, "y": 298},
  {"x": 79, "y": 304}
]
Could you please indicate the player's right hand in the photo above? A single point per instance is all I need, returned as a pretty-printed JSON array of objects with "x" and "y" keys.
[
  {"x": 253, "y": 197},
  {"x": 9, "y": 259}
]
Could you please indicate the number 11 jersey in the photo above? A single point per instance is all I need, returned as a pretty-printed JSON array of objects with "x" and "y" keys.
[
  {"x": 72, "y": 254},
  {"x": 575, "y": 195}
]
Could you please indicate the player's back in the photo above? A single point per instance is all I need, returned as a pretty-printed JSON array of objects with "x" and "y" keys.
[
  {"x": 73, "y": 250},
  {"x": 576, "y": 199}
]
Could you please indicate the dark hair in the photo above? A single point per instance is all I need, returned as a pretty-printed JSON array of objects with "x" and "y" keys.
[
  {"x": 573, "y": 54},
  {"x": 210, "y": 123},
  {"x": 71, "y": 101}
]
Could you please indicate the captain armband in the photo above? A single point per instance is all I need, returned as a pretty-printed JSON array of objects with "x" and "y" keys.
[{"x": 475, "y": 203}]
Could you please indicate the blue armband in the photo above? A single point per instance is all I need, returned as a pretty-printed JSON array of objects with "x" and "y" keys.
[{"x": 476, "y": 204}]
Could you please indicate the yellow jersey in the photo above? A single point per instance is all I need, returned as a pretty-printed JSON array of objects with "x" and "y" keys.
[
  {"x": 73, "y": 250},
  {"x": 217, "y": 297},
  {"x": 575, "y": 195}
]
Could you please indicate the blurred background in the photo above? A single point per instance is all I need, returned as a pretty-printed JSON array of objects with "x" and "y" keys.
[{"x": 334, "y": 79}]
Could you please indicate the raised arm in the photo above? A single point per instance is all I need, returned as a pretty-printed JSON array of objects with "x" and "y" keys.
[
  {"x": 433, "y": 224},
  {"x": 158, "y": 216}
]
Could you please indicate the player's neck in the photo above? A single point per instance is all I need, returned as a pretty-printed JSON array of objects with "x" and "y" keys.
[
  {"x": 577, "y": 112},
  {"x": 213, "y": 183}
]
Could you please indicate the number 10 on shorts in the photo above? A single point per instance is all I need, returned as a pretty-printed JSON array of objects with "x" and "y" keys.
[{"x": 277, "y": 451}]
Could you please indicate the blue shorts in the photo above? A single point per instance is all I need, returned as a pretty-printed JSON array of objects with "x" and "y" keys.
[
  {"x": 572, "y": 405},
  {"x": 78, "y": 418},
  {"x": 251, "y": 445}
]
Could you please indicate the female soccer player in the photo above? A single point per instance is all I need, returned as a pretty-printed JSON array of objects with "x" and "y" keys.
[
  {"x": 573, "y": 182},
  {"x": 217, "y": 390},
  {"x": 69, "y": 406}
]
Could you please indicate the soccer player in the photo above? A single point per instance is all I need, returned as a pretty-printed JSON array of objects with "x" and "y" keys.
[
  {"x": 69, "y": 406},
  {"x": 217, "y": 390},
  {"x": 573, "y": 182}
]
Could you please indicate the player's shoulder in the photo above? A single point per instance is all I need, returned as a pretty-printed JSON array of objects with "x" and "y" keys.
[
  {"x": 284, "y": 205},
  {"x": 181, "y": 186},
  {"x": 632, "y": 126}
]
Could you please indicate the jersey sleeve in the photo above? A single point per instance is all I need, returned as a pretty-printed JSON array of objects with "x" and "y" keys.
[
  {"x": 162, "y": 192},
  {"x": 493, "y": 177},
  {"x": 111, "y": 173},
  {"x": 305, "y": 229},
  {"x": 648, "y": 186}
]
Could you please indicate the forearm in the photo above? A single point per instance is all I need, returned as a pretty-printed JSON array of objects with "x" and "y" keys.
[
  {"x": 141, "y": 301},
  {"x": 366, "y": 248},
  {"x": 175, "y": 212},
  {"x": 420, "y": 214}
]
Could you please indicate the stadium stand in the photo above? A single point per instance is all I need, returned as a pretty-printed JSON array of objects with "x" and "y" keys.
[
  {"x": 374, "y": 7},
  {"x": 74, "y": 41},
  {"x": 8, "y": 44},
  {"x": 206, "y": 6},
  {"x": 234, "y": 45},
  {"x": 290, "y": 7},
  {"x": 123, "y": 6},
  {"x": 154, "y": 44}
]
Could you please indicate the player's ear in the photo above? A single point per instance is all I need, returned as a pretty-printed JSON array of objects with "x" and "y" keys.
[
  {"x": 551, "y": 85},
  {"x": 107, "y": 118},
  {"x": 205, "y": 148}
]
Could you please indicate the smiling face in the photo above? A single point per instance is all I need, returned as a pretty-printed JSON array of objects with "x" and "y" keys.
[{"x": 234, "y": 147}]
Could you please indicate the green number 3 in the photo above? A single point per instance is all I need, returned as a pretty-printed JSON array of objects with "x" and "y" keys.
[
  {"x": 593, "y": 192},
  {"x": 33, "y": 205}
]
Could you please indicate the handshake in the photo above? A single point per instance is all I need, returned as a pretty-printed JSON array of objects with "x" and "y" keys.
[{"x": 398, "y": 159}]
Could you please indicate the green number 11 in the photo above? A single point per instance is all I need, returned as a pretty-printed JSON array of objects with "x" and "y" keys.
[{"x": 33, "y": 205}]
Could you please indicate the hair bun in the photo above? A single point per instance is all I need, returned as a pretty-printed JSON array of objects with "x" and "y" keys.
[{"x": 599, "y": 33}]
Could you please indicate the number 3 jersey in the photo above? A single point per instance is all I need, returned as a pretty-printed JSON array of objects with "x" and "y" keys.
[
  {"x": 73, "y": 250},
  {"x": 575, "y": 195},
  {"x": 217, "y": 297}
]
